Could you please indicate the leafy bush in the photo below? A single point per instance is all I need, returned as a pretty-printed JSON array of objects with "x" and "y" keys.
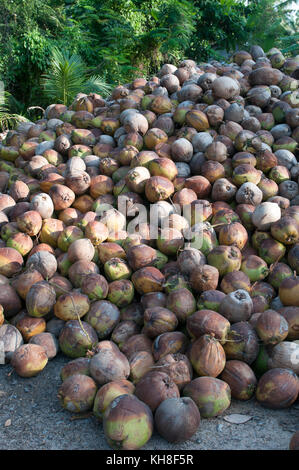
[{"x": 120, "y": 39}]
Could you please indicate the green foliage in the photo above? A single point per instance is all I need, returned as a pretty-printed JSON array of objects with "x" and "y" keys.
[
  {"x": 131, "y": 37},
  {"x": 175, "y": 24},
  {"x": 68, "y": 76},
  {"x": 270, "y": 21},
  {"x": 27, "y": 30},
  {"x": 8, "y": 120},
  {"x": 114, "y": 41},
  {"x": 220, "y": 25},
  {"x": 290, "y": 44}
]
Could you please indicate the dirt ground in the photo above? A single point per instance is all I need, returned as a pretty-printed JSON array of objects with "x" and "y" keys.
[{"x": 31, "y": 417}]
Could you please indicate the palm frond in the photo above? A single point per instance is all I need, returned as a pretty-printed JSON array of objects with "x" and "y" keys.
[
  {"x": 69, "y": 76},
  {"x": 8, "y": 120},
  {"x": 65, "y": 78},
  {"x": 290, "y": 44},
  {"x": 96, "y": 84}
]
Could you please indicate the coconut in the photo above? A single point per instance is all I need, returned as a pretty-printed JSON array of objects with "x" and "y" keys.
[
  {"x": 109, "y": 364},
  {"x": 70, "y": 234},
  {"x": 29, "y": 360},
  {"x": 42, "y": 259},
  {"x": 212, "y": 396},
  {"x": 136, "y": 343},
  {"x": 140, "y": 256},
  {"x": 9, "y": 298},
  {"x": 265, "y": 76},
  {"x": 190, "y": 259},
  {"x": 123, "y": 331},
  {"x": 293, "y": 258},
  {"x": 255, "y": 268},
  {"x": 155, "y": 387},
  {"x": 6, "y": 203},
  {"x": 136, "y": 179},
  {"x": 237, "y": 306},
  {"x": 288, "y": 291},
  {"x": 207, "y": 356},
  {"x": 77, "y": 393},
  {"x": 107, "y": 393},
  {"x": 62, "y": 196},
  {"x": 40, "y": 299},
  {"x": 249, "y": 193},
  {"x": 284, "y": 355},
  {"x": 81, "y": 249},
  {"x": 182, "y": 303},
  {"x": 233, "y": 234},
  {"x": 177, "y": 419},
  {"x": 103, "y": 316},
  {"x": 225, "y": 259},
  {"x": 278, "y": 388},
  {"x": 118, "y": 418},
  {"x": 235, "y": 280},
  {"x": 11, "y": 262},
  {"x": 29, "y": 326},
  {"x": 77, "y": 366},
  {"x": 223, "y": 190},
  {"x": 204, "y": 278},
  {"x": 50, "y": 231},
  {"x": 291, "y": 314},
  {"x": 148, "y": 279},
  {"x": 225, "y": 87},
  {"x": 71, "y": 306},
  {"x": 272, "y": 327},
  {"x": 10, "y": 340},
  {"x": 177, "y": 366},
  {"x": 158, "y": 188},
  {"x": 210, "y": 299},
  {"x": 240, "y": 378},
  {"x": 153, "y": 299},
  {"x": 169, "y": 343},
  {"x": 76, "y": 338},
  {"x": 48, "y": 342},
  {"x": 234, "y": 112},
  {"x": 208, "y": 322},
  {"x": 200, "y": 185},
  {"x": 242, "y": 344}
]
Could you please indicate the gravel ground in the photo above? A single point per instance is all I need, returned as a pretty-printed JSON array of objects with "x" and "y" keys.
[{"x": 31, "y": 417}]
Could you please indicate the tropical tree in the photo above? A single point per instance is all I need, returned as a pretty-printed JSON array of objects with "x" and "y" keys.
[
  {"x": 134, "y": 36},
  {"x": 119, "y": 39},
  {"x": 27, "y": 31},
  {"x": 268, "y": 21},
  {"x": 220, "y": 25},
  {"x": 68, "y": 76}
]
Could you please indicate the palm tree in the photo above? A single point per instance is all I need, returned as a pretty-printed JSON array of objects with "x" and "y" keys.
[
  {"x": 8, "y": 120},
  {"x": 269, "y": 21},
  {"x": 68, "y": 76},
  {"x": 290, "y": 42}
]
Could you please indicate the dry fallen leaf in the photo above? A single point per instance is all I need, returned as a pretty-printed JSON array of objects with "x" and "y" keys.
[
  {"x": 7, "y": 423},
  {"x": 237, "y": 418},
  {"x": 81, "y": 416}
]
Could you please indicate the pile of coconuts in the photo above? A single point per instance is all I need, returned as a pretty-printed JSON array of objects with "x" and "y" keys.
[{"x": 161, "y": 331}]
